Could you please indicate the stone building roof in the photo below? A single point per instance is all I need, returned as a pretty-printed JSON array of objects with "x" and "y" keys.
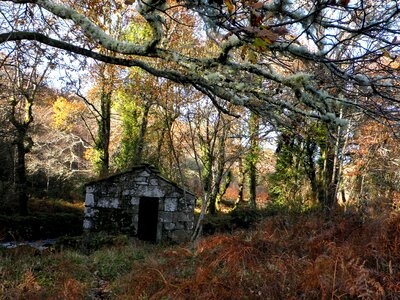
[{"x": 144, "y": 167}]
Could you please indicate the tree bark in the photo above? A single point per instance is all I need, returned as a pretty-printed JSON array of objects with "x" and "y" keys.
[
  {"x": 213, "y": 206},
  {"x": 253, "y": 159},
  {"x": 329, "y": 174},
  {"x": 241, "y": 179},
  {"x": 138, "y": 156},
  {"x": 103, "y": 139},
  {"x": 20, "y": 180}
]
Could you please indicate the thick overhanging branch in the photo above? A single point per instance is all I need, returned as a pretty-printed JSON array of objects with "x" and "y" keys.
[
  {"x": 131, "y": 62},
  {"x": 220, "y": 75},
  {"x": 94, "y": 32},
  {"x": 228, "y": 91}
]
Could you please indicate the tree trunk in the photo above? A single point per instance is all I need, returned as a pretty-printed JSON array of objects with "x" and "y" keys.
[
  {"x": 241, "y": 179},
  {"x": 138, "y": 156},
  {"x": 253, "y": 158},
  {"x": 329, "y": 174},
  {"x": 160, "y": 143},
  {"x": 213, "y": 206},
  {"x": 207, "y": 177},
  {"x": 253, "y": 185},
  {"x": 310, "y": 168},
  {"x": 224, "y": 187},
  {"x": 20, "y": 180},
  {"x": 103, "y": 139}
]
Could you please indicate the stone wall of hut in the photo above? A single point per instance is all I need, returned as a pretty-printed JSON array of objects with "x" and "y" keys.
[{"x": 112, "y": 205}]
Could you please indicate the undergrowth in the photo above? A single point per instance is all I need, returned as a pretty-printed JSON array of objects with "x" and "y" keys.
[
  {"x": 48, "y": 218},
  {"x": 296, "y": 257},
  {"x": 293, "y": 256}
]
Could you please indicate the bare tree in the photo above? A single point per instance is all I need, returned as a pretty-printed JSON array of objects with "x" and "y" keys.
[{"x": 25, "y": 78}]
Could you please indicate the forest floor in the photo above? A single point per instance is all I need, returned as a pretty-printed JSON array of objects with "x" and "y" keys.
[{"x": 282, "y": 256}]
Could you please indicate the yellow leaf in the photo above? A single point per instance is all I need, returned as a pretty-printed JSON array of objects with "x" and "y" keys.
[
  {"x": 230, "y": 6},
  {"x": 65, "y": 113}
]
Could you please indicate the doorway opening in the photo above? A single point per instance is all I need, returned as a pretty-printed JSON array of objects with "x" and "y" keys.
[{"x": 148, "y": 219}]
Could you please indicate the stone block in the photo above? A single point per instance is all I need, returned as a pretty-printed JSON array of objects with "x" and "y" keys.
[
  {"x": 153, "y": 181},
  {"x": 140, "y": 180},
  {"x": 127, "y": 192},
  {"x": 112, "y": 190},
  {"x": 169, "y": 226},
  {"x": 141, "y": 183},
  {"x": 179, "y": 225},
  {"x": 184, "y": 217},
  {"x": 159, "y": 232},
  {"x": 150, "y": 191},
  {"x": 166, "y": 217},
  {"x": 89, "y": 212},
  {"x": 144, "y": 174},
  {"x": 175, "y": 194},
  {"x": 135, "y": 200},
  {"x": 89, "y": 199},
  {"x": 87, "y": 224},
  {"x": 108, "y": 203},
  {"x": 170, "y": 204}
]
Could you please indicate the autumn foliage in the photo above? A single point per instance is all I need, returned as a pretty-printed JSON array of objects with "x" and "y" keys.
[{"x": 302, "y": 257}]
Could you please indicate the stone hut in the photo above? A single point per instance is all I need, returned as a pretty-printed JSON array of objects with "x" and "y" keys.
[{"x": 141, "y": 203}]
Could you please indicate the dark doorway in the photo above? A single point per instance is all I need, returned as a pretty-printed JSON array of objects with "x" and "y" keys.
[{"x": 148, "y": 219}]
